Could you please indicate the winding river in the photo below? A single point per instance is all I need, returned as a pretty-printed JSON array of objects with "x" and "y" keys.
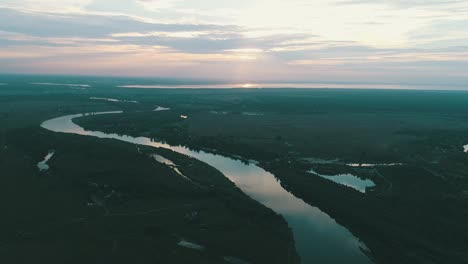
[{"x": 318, "y": 237}]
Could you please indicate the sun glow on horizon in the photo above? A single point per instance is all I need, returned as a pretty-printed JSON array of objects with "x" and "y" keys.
[
  {"x": 248, "y": 85},
  {"x": 323, "y": 41}
]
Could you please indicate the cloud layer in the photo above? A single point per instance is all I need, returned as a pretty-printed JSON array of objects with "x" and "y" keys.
[{"x": 412, "y": 42}]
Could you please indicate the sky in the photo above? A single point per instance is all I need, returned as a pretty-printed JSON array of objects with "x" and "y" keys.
[{"x": 416, "y": 42}]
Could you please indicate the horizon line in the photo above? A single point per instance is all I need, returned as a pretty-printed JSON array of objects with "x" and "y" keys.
[{"x": 192, "y": 83}]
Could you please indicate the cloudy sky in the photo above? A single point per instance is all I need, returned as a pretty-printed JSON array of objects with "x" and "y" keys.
[{"x": 353, "y": 41}]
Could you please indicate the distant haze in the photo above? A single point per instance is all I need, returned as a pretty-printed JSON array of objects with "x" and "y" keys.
[{"x": 396, "y": 42}]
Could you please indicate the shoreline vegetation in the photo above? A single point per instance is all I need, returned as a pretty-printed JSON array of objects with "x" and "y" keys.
[
  {"x": 314, "y": 225},
  {"x": 415, "y": 214},
  {"x": 395, "y": 219},
  {"x": 109, "y": 201}
]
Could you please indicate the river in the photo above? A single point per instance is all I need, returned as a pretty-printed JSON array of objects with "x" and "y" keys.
[{"x": 318, "y": 237}]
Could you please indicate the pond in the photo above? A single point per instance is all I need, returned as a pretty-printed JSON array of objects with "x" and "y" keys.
[
  {"x": 348, "y": 180},
  {"x": 42, "y": 165}
]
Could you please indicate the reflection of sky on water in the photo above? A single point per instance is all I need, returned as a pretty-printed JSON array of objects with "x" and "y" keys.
[
  {"x": 348, "y": 180},
  {"x": 367, "y": 165},
  {"x": 163, "y": 160},
  {"x": 42, "y": 165},
  {"x": 319, "y": 239},
  {"x": 160, "y": 108},
  {"x": 169, "y": 163},
  {"x": 113, "y": 100}
]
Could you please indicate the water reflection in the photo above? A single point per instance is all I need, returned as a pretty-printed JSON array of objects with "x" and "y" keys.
[
  {"x": 171, "y": 164},
  {"x": 160, "y": 108},
  {"x": 190, "y": 245},
  {"x": 113, "y": 100},
  {"x": 163, "y": 160},
  {"x": 42, "y": 165},
  {"x": 348, "y": 180},
  {"x": 318, "y": 238},
  {"x": 63, "y": 84},
  {"x": 370, "y": 165}
]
